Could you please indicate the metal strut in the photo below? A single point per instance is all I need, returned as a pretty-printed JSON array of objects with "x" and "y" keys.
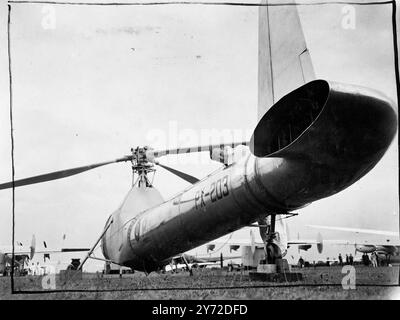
[
  {"x": 95, "y": 245},
  {"x": 187, "y": 264}
]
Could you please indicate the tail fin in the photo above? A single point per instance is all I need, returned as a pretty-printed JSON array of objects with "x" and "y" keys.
[{"x": 284, "y": 62}]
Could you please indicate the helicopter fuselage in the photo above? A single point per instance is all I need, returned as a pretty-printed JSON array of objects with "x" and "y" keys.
[{"x": 313, "y": 143}]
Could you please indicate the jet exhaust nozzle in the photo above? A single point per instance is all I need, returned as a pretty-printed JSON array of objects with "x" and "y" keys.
[
  {"x": 328, "y": 136},
  {"x": 326, "y": 122}
]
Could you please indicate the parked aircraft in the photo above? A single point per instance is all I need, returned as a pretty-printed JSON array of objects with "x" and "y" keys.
[
  {"x": 22, "y": 255},
  {"x": 388, "y": 250}
]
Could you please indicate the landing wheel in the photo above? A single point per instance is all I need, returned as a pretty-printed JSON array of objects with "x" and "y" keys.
[
  {"x": 267, "y": 232},
  {"x": 273, "y": 253}
]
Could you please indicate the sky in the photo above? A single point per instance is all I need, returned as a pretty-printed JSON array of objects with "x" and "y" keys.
[{"x": 91, "y": 82}]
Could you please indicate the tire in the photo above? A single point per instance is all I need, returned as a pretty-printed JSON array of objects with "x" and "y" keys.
[{"x": 273, "y": 253}]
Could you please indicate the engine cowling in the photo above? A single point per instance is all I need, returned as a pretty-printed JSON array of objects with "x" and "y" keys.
[
  {"x": 365, "y": 248},
  {"x": 210, "y": 247},
  {"x": 223, "y": 155},
  {"x": 304, "y": 247}
]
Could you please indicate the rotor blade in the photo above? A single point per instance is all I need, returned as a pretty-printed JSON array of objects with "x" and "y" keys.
[
  {"x": 58, "y": 174},
  {"x": 209, "y": 147},
  {"x": 180, "y": 174},
  {"x": 74, "y": 249}
]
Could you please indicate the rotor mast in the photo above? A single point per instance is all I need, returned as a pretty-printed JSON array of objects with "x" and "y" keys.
[{"x": 141, "y": 166}]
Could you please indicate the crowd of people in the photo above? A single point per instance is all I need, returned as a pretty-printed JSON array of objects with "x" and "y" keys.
[
  {"x": 37, "y": 270},
  {"x": 349, "y": 259},
  {"x": 366, "y": 260},
  {"x": 372, "y": 260}
]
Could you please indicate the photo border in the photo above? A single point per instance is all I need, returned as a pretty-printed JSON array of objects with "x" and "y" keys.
[{"x": 11, "y": 3}]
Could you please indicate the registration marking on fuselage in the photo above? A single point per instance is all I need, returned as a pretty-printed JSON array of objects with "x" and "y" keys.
[{"x": 217, "y": 191}]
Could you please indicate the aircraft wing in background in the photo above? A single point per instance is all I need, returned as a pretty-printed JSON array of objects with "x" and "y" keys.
[
  {"x": 358, "y": 230},
  {"x": 190, "y": 259},
  {"x": 235, "y": 244},
  {"x": 387, "y": 248},
  {"x": 30, "y": 251},
  {"x": 19, "y": 251}
]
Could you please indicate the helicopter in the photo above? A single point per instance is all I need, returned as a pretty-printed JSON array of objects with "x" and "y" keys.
[
  {"x": 316, "y": 139},
  {"x": 313, "y": 143}
]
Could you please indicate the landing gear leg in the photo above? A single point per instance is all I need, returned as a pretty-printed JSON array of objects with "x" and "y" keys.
[
  {"x": 273, "y": 268},
  {"x": 189, "y": 269},
  {"x": 273, "y": 253},
  {"x": 268, "y": 235}
]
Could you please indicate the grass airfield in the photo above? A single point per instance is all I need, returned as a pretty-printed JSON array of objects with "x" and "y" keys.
[{"x": 208, "y": 284}]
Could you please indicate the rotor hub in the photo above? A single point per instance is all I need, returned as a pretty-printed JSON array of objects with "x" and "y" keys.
[{"x": 142, "y": 164}]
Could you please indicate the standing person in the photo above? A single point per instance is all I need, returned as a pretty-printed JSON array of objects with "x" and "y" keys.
[
  {"x": 301, "y": 262},
  {"x": 351, "y": 259},
  {"x": 37, "y": 269},
  {"x": 364, "y": 259},
  {"x": 32, "y": 269},
  {"x": 347, "y": 258},
  {"x": 340, "y": 259},
  {"x": 373, "y": 260}
]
